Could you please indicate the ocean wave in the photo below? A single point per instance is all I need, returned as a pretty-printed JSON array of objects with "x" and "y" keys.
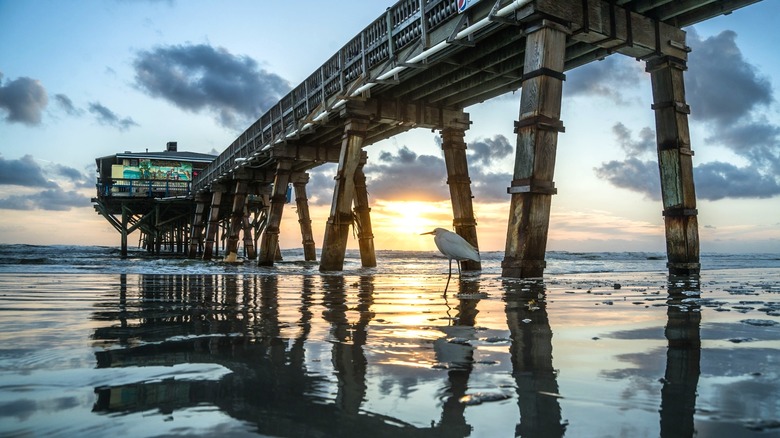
[{"x": 23, "y": 258}]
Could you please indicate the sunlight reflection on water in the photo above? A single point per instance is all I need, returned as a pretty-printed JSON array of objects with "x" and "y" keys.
[{"x": 287, "y": 355}]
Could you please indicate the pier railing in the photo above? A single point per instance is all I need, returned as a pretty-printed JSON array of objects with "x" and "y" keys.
[
  {"x": 404, "y": 24},
  {"x": 143, "y": 188}
]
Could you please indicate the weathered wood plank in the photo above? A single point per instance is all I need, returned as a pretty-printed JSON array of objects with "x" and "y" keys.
[
  {"x": 236, "y": 220},
  {"x": 269, "y": 245},
  {"x": 454, "y": 148},
  {"x": 607, "y": 26},
  {"x": 537, "y": 136},
  {"x": 213, "y": 223},
  {"x": 363, "y": 218},
  {"x": 303, "y": 152},
  {"x": 304, "y": 220},
  {"x": 337, "y": 229},
  {"x": 249, "y": 241},
  {"x": 675, "y": 164}
]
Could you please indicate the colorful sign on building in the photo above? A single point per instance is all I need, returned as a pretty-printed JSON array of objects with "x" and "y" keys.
[
  {"x": 159, "y": 170},
  {"x": 148, "y": 169}
]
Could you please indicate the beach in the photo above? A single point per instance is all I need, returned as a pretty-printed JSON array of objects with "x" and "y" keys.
[{"x": 288, "y": 351}]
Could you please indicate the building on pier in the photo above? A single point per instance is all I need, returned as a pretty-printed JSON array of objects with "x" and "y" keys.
[{"x": 149, "y": 192}]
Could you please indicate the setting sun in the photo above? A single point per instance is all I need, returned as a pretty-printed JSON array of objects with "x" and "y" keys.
[
  {"x": 398, "y": 224},
  {"x": 412, "y": 217}
]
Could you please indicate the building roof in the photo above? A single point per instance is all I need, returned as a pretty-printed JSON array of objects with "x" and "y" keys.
[{"x": 193, "y": 157}]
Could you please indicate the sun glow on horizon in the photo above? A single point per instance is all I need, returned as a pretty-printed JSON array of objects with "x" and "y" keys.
[{"x": 398, "y": 224}]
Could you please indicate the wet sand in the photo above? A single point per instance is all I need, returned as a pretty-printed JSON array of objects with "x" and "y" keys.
[{"x": 366, "y": 354}]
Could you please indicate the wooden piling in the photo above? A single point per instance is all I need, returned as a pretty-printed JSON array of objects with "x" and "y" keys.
[
  {"x": 123, "y": 231},
  {"x": 257, "y": 215},
  {"x": 249, "y": 242},
  {"x": 269, "y": 245},
  {"x": 180, "y": 231},
  {"x": 362, "y": 214},
  {"x": 236, "y": 220},
  {"x": 213, "y": 224},
  {"x": 196, "y": 234},
  {"x": 156, "y": 235},
  {"x": 337, "y": 229},
  {"x": 302, "y": 204},
  {"x": 675, "y": 164},
  {"x": 454, "y": 147},
  {"x": 537, "y": 137}
]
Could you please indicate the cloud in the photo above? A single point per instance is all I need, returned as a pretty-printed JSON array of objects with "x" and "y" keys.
[
  {"x": 718, "y": 180},
  {"x": 24, "y": 99},
  {"x": 484, "y": 152},
  {"x": 756, "y": 141},
  {"x": 727, "y": 93},
  {"x": 405, "y": 175},
  {"x": 604, "y": 79},
  {"x": 74, "y": 176},
  {"x": 55, "y": 199},
  {"x": 713, "y": 180},
  {"x": 633, "y": 148},
  {"x": 107, "y": 117},
  {"x": 721, "y": 85},
  {"x": 66, "y": 104},
  {"x": 489, "y": 187},
  {"x": 321, "y": 183},
  {"x": 23, "y": 172},
  {"x": 633, "y": 174},
  {"x": 201, "y": 77}
]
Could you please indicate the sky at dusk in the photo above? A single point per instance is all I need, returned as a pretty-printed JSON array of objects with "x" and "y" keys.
[{"x": 86, "y": 79}]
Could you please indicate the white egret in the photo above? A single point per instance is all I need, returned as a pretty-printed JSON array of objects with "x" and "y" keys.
[{"x": 453, "y": 247}]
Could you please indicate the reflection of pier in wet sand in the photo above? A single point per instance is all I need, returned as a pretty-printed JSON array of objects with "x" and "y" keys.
[
  {"x": 270, "y": 385},
  {"x": 324, "y": 355},
  {"x": 316, "y": 363}
]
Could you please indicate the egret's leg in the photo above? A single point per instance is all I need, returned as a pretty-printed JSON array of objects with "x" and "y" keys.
[
  {"x": 458, "y": 262},
  {"x": 448, "y": 278}
]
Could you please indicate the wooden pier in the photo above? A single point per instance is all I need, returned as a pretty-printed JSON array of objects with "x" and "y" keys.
[
  {"x": 149, "y": 192},
  {"x": 418, "y": 65}
]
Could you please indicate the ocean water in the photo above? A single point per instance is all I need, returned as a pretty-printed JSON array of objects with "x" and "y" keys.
[
  {"x": 101, "y": 259},
  {"x": 607, "y": 345}
]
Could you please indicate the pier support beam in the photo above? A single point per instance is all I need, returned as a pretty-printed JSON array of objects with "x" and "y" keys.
[
  {"x": 454, "y": 147},
  {"x": 269, "y": 245},
  {"x": 337, "y": 229},
  {"x": 212, "y": 227},
  {"x": 363, "y": 217},
  {"x": 155, "y": 234},
  {"x": 675, "y": 163},
  {"x": 124, "y": 232},
  {"x": 537, "y": 139},
  {"x": 302, "y": 204},
  {"x": 236, "y": 220},
  {"x": 249, "y": 241},
  {"x": 196, "y": 234}
]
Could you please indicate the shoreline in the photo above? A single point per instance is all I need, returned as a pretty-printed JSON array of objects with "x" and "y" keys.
[{"x": 245, "y": 355}]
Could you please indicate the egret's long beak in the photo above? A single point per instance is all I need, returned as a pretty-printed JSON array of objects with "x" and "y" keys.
[{"x": 429, "y": 232}]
